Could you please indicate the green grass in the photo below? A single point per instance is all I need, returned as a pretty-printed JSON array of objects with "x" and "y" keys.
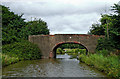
[
  {"x": 109, "y": 65},
  {"x": 17, "y": 51}
]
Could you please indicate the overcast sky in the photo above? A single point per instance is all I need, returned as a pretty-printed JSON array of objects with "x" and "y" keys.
[{"x": 62, "y": 16}]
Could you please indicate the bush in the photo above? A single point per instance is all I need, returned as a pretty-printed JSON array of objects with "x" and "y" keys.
[
  {"x": 76, "y": 50},
  {"x": 70, "y": 51},
  {"x": 60, "y": 51},
  {"x": 103, "y": 52},
  {"x": 24, "y": 50},
  {"x": 104, "y": 43},
  {"x": 82, "y": 51}
]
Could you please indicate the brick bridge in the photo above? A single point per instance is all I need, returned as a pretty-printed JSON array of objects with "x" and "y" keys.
[{"x": 49, "y": 43}]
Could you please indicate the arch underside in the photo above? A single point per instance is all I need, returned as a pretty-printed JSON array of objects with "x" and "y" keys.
[{"x": 59, "y": 44}]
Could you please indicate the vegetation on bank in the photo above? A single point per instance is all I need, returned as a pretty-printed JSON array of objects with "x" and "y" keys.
[
  {"x": 15, "y": 30},
  {"x": 109, "y": 65},
  {"x": 17, "y": 51},
  {"x": 107, "y": 56}
]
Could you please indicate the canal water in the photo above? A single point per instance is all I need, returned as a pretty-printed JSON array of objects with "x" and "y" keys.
[{"x": 62, "y": 66}]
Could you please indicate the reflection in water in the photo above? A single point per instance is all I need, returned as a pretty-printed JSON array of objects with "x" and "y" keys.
[{"x": 60, "y": 67}]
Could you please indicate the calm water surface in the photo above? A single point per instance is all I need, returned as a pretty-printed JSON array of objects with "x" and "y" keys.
[{"x": 60, "y": 67}]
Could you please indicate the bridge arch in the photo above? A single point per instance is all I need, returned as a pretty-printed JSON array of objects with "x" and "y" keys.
[{"x": 61, "y": 43}]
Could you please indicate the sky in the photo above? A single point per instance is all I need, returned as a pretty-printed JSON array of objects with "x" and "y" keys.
[{"x": 62, "y": 16}]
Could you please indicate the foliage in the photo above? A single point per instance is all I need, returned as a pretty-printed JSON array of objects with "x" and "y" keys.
[
  {"x": 60, "y": 51},
  {"x": 71, "y": 46},
  {"x": 104, "y": 52},
  {"x": 70, "y": 51},
  {"x": 24, "y": 50},
  {"x": 11, "y": 26},
  {"x": 80, "y": 51},
  {"x": 116, "y": 8},
  {"x": 104, "y": 43},
  {"x": 15, "y": 29},
  {"x": 97, "y": 29},
  {"x": 110, "y": 25},
  {"x": 7, "y": 60},
  {"x": 36, "y": 27},
  {"x": 109, "y": 65}
]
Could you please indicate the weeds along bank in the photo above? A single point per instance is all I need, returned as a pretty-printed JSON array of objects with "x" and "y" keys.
[
  {"x": 24, "y": 50},
  {"x": 107, "y": 64}
]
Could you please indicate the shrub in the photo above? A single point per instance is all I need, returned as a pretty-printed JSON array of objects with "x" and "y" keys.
[
  {"x": 70, "y": 51},
  {"x": 60, "y": 51},
  {"x": 103, "y": 52},
  {"x": 82, "y": 51},
  {"x": 104, "y": 43},
  {"x": 24, "y": 50}
]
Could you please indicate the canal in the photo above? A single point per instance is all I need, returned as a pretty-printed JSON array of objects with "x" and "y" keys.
[{"x": 62, "y": 66}]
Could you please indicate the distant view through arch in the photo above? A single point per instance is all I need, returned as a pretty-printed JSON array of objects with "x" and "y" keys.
[{"x": 66, "y": 49}]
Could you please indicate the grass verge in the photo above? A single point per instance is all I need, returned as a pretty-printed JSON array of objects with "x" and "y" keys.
[{"x": 109, "y": 65}]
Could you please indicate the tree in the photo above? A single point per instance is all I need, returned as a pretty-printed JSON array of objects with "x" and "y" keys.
[
  {"x": 11, "y": 26},
  {"x": 97, "y": 29},
  {"x": 110, "y": 25},
  {"x": 36, "y": 27},
  {"x": 15, "y": 29},
  {"x": 115, "y": 30}
]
